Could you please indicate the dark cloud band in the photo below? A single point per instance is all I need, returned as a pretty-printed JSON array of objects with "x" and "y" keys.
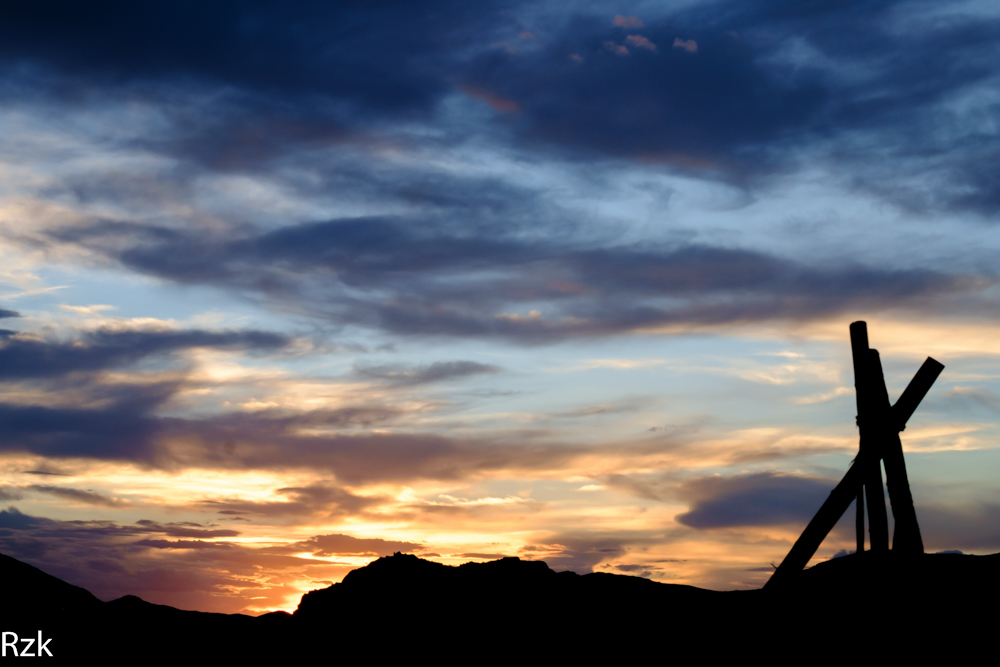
[
  {"x": 106, "y": 349},
  {"x": 426, "y": 279}
]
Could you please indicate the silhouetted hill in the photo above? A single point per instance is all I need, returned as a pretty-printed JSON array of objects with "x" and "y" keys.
[
  {"x": 494, "y": 592},
  {"x": 28, "y": 592},
  {"x": 404, "y": 607}
]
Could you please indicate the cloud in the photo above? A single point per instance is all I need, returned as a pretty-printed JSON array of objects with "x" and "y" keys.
[
  {"x": 79, "y": 495},
  {"x": 345, "y": 545},
  {"x": 617, "y": 49},
  {"x": 627, "y": 22},
  {"x": 348, "y": 52},
  {"x": 124, "y": 426},
  {"x": 495, "y": 101},
  {"x": 124, "y": 429},
  {"x": 580, "y": 553},
  {"x": 183, "y": 529},
  {"x": 641, "y": 42},
  {"x": 113, "y": 348},
  {"x": 896, "y": 110},
  {"x": 395, "y": 275},
  {"x": 11, "y": 518},
  {"x": 758, "y": 499},
  {"x": 86, "y": 310},
  {"x": 8, "y": 313},
  {"x": 688, "y": 45},
  {"x": 321, "y": 501},
  {"x": 969, "y": 527},
  {"x": 838, "y": 83},
  {"x": 407, "y": 376},
  {"x": 194, "y": 571},
  {"x": 182, "y": 544}
]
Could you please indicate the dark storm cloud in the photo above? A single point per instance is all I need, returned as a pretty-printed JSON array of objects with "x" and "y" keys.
[
  {"x": 759, "y": 499},
  {"x": 432, "y": 279},
  {"x": 8, "y": 313},
  {"x": 106, "y": 349},
  {"x": 400, "y": 375}
]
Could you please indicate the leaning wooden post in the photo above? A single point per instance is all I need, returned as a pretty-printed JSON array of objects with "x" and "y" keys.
[
  {"x": 869, "y": 417},
  {"x": 826, "y": 518},
  {"x": 906, "y": 535}
]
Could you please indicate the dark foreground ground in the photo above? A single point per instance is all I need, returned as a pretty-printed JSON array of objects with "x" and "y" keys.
[{"x": 937, "y": 606}]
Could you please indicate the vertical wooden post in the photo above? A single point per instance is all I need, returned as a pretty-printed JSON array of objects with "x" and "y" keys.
[
  {"x": 868, "y": 418},
  {"x": 859, "y": 520}
]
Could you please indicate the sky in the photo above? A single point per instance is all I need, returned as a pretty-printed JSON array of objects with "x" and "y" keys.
[{"x": 289, "y": 286}]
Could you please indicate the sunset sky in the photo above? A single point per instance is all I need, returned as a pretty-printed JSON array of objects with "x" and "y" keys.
[{"x": 286, "y": 286}]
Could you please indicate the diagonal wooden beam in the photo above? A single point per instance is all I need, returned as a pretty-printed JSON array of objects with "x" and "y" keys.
[
  {"x": 906, "y": 535},
  {"x": 915, "y": 392},
  {"x": 826, "y": 518}
]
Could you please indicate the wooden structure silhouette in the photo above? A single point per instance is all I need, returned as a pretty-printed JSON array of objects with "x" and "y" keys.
[{"x": 879, "y": 424}]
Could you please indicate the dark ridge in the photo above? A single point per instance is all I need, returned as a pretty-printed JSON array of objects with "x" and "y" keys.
[
  {"x": 26, "y": 591},
  {"x": 493, "y": 589},
  {"x": 402, "y": 607}
]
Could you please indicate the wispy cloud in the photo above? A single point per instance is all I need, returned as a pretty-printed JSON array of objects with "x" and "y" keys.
[
  {"x": 688, "y": 45},
  {"x": 641, "y": 42},
  {"x": 408, "y": 376}
]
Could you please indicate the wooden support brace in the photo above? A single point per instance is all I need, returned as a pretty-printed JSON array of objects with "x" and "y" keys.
[
  {"x": 906, "y": 535},
  {"x": 826, "y": 518}
]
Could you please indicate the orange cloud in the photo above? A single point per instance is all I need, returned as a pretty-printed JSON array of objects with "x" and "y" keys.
[
  {"x": 500, "y": 104},
  {"x": 627, "y": 22},
  {"x": 689, "y": 45},
  {"x": 616, "y": 48},
  {"x": 641, "y": 42}
]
